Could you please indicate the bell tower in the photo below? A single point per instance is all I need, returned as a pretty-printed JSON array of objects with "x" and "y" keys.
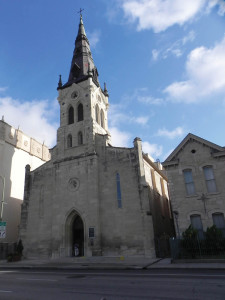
[{"x": 83, "y": 103}]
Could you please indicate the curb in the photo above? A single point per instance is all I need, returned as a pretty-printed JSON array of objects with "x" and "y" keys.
[{"x": 154, "y": 262}]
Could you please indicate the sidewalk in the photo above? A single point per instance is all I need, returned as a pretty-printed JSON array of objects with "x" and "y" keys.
[
  {"x": 110, "y": 263},
  {"x": 94, "y": 262}
]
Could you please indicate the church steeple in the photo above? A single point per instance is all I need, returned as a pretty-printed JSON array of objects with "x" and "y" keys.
[
  {"x": 81, "y": 30},
  {"x": 82, "y": 65},
  {"x": 83, "y": 104}
]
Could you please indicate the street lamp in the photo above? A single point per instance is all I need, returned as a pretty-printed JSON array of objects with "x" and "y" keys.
[
  {"x": 176, "y": 214},
  {"x": 3, "y": 195}
]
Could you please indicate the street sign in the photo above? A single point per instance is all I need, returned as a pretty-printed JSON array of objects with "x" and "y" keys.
[{"x": 2, "y": 230}]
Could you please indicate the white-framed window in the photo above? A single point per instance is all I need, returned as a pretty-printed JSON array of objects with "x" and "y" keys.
[
  {"x": 196, "y": 223},
  {"x": 218, "y": 220},
  {"x": 209, "y": 179},
  {"x": 189, "y": 183}
]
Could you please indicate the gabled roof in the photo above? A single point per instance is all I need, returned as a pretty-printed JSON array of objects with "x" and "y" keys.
[{"x": 190, "y": 136}]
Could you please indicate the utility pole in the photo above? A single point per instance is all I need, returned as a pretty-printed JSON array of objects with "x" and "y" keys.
[{"x": 3, "y": 195}]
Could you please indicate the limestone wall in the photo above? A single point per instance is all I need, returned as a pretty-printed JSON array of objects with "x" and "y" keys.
[
  {"x": 16, "y": 151},
  {"x": 195, "y": 156}
]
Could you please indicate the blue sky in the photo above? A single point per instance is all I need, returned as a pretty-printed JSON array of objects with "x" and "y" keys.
[{"x": 163, "y": 62}]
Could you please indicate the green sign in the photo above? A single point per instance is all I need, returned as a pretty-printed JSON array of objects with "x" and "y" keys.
[{"x": 2, "y": 230}]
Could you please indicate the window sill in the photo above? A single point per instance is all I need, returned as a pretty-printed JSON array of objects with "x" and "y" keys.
[
  {"x": 208, "y": 194},
  {"x": 213, "y": 193},
  {"x": 192, "y": 196}
]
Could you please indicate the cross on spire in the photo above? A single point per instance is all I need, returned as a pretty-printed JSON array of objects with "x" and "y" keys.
[{"x": 80, "y": 11}]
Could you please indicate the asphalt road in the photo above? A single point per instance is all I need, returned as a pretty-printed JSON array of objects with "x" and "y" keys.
[{"x": 110, "y": 285}]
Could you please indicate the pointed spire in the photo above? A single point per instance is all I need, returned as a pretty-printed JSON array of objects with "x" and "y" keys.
[
  {"x": 81, "y": 30},
  {"x": 82, "y": 65},
  {"x": 60, "y": 82},
  {"x": 105, "y": 90}
]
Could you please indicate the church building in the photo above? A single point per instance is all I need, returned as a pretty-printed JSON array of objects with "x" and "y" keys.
[{"x": 92, "y": 199}]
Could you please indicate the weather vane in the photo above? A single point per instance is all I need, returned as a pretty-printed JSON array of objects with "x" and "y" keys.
[{"x": 80, "y": 12}]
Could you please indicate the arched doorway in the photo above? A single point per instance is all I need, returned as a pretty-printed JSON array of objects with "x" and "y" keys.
[
  {"x": 74, "y": 234},
  {"x": 78, "y": 236}
]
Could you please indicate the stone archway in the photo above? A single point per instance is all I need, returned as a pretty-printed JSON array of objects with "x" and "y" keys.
[{"x": 74, "y": 234}]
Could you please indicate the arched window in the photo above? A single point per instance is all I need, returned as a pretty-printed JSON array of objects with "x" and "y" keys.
[
  {"x": 102, "y": 119},
  {"x": 196, "y": 223},
  {"x": 219, "y": 222},
  {"x": 69, "y": 141},
  {"x": 209, "y": 179},
  {"x": 71, "y": 115},
  {"x": 97, "y": 114},
  {"x": 189, "y": 183},
  {"x": 80, "y": 113},
  {"x": 80, "y": 138}
]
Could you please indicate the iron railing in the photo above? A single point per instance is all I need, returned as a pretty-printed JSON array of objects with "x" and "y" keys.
[
  {"x": 6, "y": 249},
  {"x": 195, "y": 248}
]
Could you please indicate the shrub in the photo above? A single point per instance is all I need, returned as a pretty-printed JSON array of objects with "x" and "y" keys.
[
  {"x": 190, "y": 233},
  {"x": 189, "y": 243}
]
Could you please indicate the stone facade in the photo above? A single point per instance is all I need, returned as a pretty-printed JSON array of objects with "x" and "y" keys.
[
  {"x": 90, "y": 195},
  {"x": 196, "y": 172},
  {"x": 16, "y": 151}
]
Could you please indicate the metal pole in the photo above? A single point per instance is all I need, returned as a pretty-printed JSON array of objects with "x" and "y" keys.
[
  {"x": 3, "y": 195},
  {"x": 176, "y": 219}
]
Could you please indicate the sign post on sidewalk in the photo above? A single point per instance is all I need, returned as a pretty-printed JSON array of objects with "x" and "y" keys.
[
  {"x": 3, "y": 195},
  {"x": 2, "y": 230}
]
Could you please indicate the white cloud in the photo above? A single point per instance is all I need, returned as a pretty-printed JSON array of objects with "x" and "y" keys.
[
  {"x": 142, "y": 120},
  {"x": 153, "y": 149},
  {"x": 119, "y": 138},
  {"x": 33, "y": 118},
  {"x": 142, "y": 95},
  {"x": 160, "y": 14},
  {"x": 172, "y": 50},
  {"x": 117, "y": 116},
  {"x": 94, "y": 38},
  {"x": 3, "y": 89},
  {"x": 219, "y": 3},
  {"x": 221, "y": 10},
  {"x": 177, "y": 132},
  {"x": 205, "y": 72},
  {"x": 177, "y": 52},
  {"x": 150, "y": 100},
  {"x": 177, "y": 48},
  {"x": 155, "y": 54},
  {"x": 189, "y": 37},
  {"x": 167, "y": 154}
]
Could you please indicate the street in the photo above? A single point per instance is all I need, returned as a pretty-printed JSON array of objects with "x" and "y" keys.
[{"x": 110, "y": 285}]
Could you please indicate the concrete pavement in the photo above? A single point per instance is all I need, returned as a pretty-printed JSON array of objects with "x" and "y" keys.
[{"x": 119, "y": 263}]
